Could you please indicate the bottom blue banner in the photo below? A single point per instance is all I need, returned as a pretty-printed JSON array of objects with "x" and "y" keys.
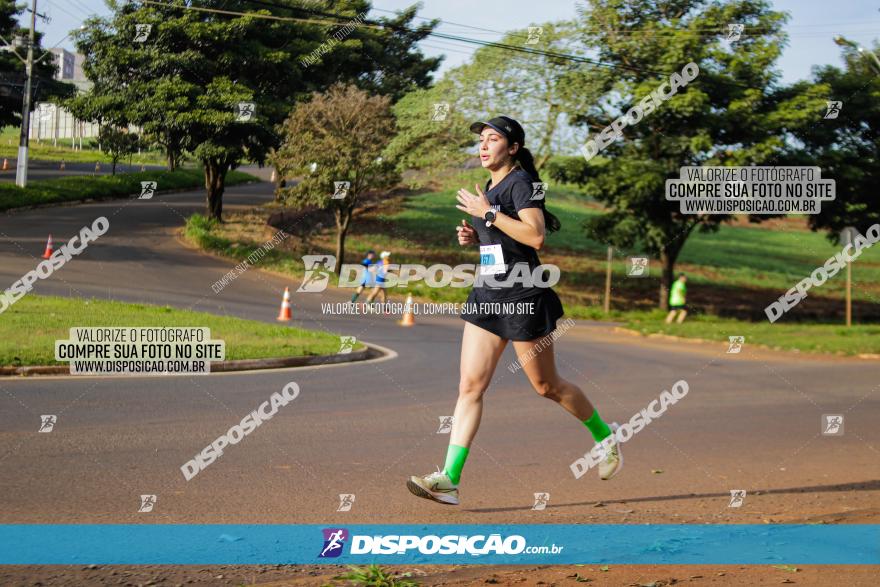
[{"x": 515, "y": 544}]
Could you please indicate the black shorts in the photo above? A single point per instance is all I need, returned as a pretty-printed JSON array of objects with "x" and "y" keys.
[
  {"x": 679, "y": 307},
  {"x": 547, "y": 309}
]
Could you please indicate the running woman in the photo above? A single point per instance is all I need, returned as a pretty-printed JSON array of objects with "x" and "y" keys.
[
  {"x": 381, "y": 278},
  {"x": 367, "y": 280},
  {"x": 509, "y": 221}
]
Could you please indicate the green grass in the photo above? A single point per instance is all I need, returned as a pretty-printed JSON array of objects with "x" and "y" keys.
[
  {"x": 735, "y": 255},
  {"x": 44, "y": 150},
  {"x": 204, "y": 232},
  {"x": 30, "y": 327},
  {"x": 808, "y": 337},
  {"x": 373, "y": 576},
  {"x": 121, "y": 185},
  {"x": 752, "y": 262}
]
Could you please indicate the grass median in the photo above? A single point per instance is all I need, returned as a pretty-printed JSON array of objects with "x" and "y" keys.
[
  {"x": 30, "y": 327},
  {"x": 63, "y": 149},
  {"x": 802, "y": 336},
  {"x": 122, "y": 185}
]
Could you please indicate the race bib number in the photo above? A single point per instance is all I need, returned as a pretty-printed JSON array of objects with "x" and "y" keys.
[{"x": 491, "y": 260}]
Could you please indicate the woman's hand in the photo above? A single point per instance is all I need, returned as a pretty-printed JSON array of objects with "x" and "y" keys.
[
  {"x": 466, "y": 234},
  {"x": 473, "y": 205}
]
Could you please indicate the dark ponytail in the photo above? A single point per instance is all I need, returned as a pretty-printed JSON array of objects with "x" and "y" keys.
[{"x": 527, "y": 161}]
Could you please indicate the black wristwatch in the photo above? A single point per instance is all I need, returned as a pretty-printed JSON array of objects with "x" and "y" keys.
[{"x": 489, "y": 217}]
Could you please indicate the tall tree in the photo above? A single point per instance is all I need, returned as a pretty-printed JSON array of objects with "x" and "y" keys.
[
  {"x": 183, "y": 81},
  {"x": 845, "y": 148},
  {"x": 529, "y": 86},
  {"x": 733, "y": 113},
  {"x": 432, "y": 133},
  {"x": 335, "y": 142}
]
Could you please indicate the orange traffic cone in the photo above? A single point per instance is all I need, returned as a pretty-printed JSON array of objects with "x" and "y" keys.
[
  {"x": 5, "y": 164},
  {"x": 63, "y": 167},
  {"x": 408, "y": 318},
  {"x": 284, "y": 314},
  {"x": 48, "y": 252}
]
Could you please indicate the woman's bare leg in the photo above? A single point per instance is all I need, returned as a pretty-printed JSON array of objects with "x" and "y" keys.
[
  {"x": 480, "y": 351},
  {"x": 541, "y": 371}
]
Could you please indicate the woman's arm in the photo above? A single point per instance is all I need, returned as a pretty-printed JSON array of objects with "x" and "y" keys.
[{"x": 529, "y": 230}]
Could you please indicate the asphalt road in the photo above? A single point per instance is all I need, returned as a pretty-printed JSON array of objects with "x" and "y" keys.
[{"x": 750, "y": 421}]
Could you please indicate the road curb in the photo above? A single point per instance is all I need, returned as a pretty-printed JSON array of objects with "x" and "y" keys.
[{"x": 371, "y": 352}]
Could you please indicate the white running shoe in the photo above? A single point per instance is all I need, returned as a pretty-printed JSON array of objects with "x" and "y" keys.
[
  {"x": 613, "y": 461},
  {"x": 437, "y": 486}
]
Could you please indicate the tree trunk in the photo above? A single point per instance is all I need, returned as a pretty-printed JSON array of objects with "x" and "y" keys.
[
  {"x": 215, "y": 180},
  {"x": 342, "y": 219},
  {"x": 113, "y": 172},
  {"x": 666, "y": 277},
  {"x": 172, "y": 164}
]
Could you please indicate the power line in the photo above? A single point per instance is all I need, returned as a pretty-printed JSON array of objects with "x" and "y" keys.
[{"x": 372, "y": 24}]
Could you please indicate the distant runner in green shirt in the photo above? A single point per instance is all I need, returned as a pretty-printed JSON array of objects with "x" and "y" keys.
[{"x": 677, "y": 299}]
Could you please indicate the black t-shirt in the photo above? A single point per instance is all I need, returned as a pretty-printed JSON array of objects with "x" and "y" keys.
[{"x": 512, "y": 194}]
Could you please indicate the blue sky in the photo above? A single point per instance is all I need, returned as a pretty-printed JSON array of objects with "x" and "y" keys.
[{"x": 811, "y": 29}]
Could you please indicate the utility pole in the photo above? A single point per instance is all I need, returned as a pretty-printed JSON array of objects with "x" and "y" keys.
[
  {"x": 608, "y": 280},
  {"x": 21, "y": 166}
]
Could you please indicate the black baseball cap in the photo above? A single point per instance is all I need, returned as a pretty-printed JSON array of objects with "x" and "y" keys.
[{"x": 507, "y": 126}]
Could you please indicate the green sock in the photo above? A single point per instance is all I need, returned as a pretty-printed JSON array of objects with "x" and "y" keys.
[
  {"x": 354, "y": 296},
  {"x": 455, "y": 458},
  {"x": 597, "y": 426}
]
